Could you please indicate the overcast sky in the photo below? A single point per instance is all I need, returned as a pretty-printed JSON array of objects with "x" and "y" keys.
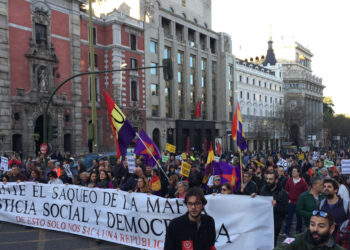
[{"x": 320, "y": 25}]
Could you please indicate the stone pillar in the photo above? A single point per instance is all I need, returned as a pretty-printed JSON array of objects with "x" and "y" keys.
[
  {"x": 76, "y": 82},
  {"x": 5, "y": 86}
]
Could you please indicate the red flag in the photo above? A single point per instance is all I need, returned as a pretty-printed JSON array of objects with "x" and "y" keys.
[
  {"x": 198, "y": 110},
  {"x": 122, "y": 130}
]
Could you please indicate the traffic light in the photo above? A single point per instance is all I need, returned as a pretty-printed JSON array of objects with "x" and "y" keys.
[
  {"x": 167, "y": 69},
  {"x": 54, "y": 131}
]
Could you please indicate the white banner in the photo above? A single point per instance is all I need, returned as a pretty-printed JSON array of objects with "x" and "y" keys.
[
  {"x": 135, "y": 219},
  {"x": 345, "y": 166}
]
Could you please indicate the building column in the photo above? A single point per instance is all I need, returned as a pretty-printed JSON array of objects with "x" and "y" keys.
[
  {"x": 76, "y": 89},
  {"x": 5, "y": 85}
]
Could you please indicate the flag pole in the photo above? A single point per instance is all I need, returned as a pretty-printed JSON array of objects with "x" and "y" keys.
[
  {"x": 150, "y": 153},
  {"x": 240, "y": 163}
]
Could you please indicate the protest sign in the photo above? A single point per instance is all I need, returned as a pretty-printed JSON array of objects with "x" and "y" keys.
[
  {"x": 184, "y": 156},
  {"x": 217, "y": 158},
  {"x": 4, "y": 164},
  {"x": 131, "y": 164},
  {"x": 178, "y": 157},
  {"x": 328, "y": 163},
  {"x": 133, "y": 219},
  {"x": 345, "y": 166},
  {"x": 170, "y": 148},
  {"x": 185, "y": 169},
  {"x": 165, "y": 158}
]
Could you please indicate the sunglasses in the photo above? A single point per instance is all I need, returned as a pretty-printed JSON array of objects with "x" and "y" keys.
[
  {"x": 323, "y": 214},
  {"x": 216, "y": 179},
  {"x": 224, "y": 189}
]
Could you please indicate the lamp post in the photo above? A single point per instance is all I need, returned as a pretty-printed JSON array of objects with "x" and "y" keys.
[{"x": 92, "y": 81}]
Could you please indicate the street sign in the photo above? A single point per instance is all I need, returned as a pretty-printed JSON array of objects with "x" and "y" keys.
[{"x": 43, "y": 148}]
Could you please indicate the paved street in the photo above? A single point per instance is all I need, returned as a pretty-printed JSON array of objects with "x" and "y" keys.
[{"x": 17, "y": 237}]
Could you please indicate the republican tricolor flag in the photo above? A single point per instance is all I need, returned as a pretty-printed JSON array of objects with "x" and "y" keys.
[
  {"x": 122, "y": 130},
  {"x": 237, "y": 129},
  {"x": 146, "y": 147}
]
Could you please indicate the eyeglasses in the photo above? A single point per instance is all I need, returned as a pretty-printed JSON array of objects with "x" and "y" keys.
[
  {"x": 323, "y": 214},
  {"x": 196, "y": 204},
  {"x": 224, "y": 189}
]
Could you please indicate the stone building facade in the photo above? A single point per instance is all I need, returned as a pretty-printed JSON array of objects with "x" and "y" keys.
[
  {"x": 203, "y": 71},
  {"x": 260, "y": 95},
  {"x": 303, "y": 96},
  {"x": 43, "y": 42}
]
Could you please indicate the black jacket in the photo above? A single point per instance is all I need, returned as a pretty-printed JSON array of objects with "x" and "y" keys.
[
  {"x": 249, "y": 189},
  {"x": 182, "y": 229},
  {"x": 214, "y": 189},
  {"x": 281, "y": 198}
]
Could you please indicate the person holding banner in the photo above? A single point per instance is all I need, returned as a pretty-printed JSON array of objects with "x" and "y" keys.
[
  {"x": 182, "y": 187},
  {"x": 193, "y": 230}
]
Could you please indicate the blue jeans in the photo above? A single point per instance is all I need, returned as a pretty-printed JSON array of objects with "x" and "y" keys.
[{"x": 289, "y": 219}]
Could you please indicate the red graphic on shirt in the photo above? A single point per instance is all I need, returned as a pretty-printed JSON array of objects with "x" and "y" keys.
[{"x": 187, "y": 245}]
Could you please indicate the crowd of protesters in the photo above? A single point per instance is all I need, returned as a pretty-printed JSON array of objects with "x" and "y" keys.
[{"x": 299, "y": 182}]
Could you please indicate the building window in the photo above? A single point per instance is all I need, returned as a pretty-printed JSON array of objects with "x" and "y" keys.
[
  {"x": 230, "y": 85},
  {"x": 167, "y": 52},
  {"x": 133, "y": 86},
  {"x": 240, "y": 78},
  {"x": 241, "y": 94},
  {"x": 203, "y": 64},
  {"x": 154, "y": 89},
  {"x": 259, "y": 83},
  {"x": 94, "y": 35},
  {"x": 248, "y": 111},
  {"x": 280, "y": 101},
  {"x": 97, "y": 88},
  {"x": 260, "y": 98},
  {"x": 191, "y": 79},
  {"x": 213, "y": 67},
  {"x": 179, "y": 77},
  {"x": 247, "y": 96},
  {"x": 192, "y": 61},
  {"x": 265, "y": 84},
  {"x": 203, "y": 81},
  {"x": 153, "y": 70},
  {"x": 95, "y": 60},
  {"x": 155, "y": 109},
  {"x": 280, "y": 89},
  {"x": 133, "y": 63},
  {"x": 133, "y": 42},
  {"x": 213, "y": 82},
  {"x": 265, "y": 98},
  {"x": 253, "y": 81},
  {"x": 247, "y": 79},
  {"x": 270, "y": 86},
  {"x": 253, "y": 97},
  {"x": 40, "y": 34},
  {"x": 180, "y": 57},
  {"x": 230, "y": 69},
  {"x": 153, "y": 47},
  {"x": 270, "y": 99}
]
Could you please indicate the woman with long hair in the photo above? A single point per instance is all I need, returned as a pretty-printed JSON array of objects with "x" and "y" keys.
[
  {"x": 142, "y": 185},
  {"x": 104, "y": 180},
  {"x": 93, "y": 180}
]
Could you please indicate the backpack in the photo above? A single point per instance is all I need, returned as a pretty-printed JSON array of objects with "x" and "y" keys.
[{"x": 343, "y": 235}]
